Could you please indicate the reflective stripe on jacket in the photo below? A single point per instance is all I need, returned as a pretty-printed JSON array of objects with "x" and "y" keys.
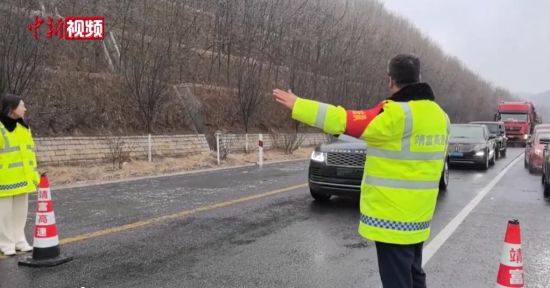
[
  {"x": 18, "y": 174},
  {"x": 406, "y": 149}
]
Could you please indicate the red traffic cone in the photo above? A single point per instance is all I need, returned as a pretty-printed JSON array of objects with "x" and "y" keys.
[
  {"x": 510, "y": 273},
  {"x": 46, "y": 250}
]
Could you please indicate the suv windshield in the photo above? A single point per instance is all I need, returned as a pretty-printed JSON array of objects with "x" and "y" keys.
[
  {"x": 472, "y": 132},
  {"x": 542, "y": 127},
  {"x": 493, "y": 127},
  {"x": 513, "y": 117},
  {"x": 542, "y": 135}
]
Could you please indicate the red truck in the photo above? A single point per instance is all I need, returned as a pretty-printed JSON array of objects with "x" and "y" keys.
[{"x": 519, "y": 120}]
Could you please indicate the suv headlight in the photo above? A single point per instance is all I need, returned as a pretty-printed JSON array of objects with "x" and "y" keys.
[
  {"x": 318, "y": 156},
  {"x": 478, "y": 147},
  {"x": 538, "y": 152}
]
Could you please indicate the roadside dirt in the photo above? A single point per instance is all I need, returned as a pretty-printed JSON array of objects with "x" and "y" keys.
[{"x": 78, "y": 174}]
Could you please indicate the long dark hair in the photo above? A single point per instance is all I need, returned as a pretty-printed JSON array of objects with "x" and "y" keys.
[{"x": 9, "y": 103}]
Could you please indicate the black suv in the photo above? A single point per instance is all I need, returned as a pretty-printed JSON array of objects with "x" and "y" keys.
[
  {"x": 471, "y": 144},
  {"x": 546, "y": 166},
  {"x": 498, "y": 132},
  {"x": 337, "y": 169}
]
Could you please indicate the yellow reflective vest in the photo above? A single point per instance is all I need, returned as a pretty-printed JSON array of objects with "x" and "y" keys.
[
  {"x": 406, "y": 150},
  {"x": 18, "y": 174}
]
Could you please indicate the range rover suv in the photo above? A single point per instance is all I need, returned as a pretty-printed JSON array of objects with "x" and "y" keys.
[{"x": 337, "y": 169}]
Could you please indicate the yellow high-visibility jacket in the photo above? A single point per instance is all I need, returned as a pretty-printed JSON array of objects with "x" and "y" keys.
[
  {"x": 406, "y": 150},
  {"x": 18, "y": 174}
]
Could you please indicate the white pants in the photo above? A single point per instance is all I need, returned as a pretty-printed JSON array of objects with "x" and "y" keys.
[{"x": 13, "y": 217}]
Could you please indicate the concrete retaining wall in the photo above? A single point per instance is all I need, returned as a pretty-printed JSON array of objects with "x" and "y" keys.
[{"x": 75, "y": 150}]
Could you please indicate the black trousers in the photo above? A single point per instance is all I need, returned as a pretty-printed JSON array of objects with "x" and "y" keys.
[{"x": 401, "y": 265}]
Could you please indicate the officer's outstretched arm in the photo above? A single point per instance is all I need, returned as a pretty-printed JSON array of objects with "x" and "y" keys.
[{"x": 332, "y": 119}]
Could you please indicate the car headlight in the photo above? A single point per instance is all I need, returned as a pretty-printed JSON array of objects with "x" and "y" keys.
[
  {"x": 538, "y": 152},
  {"x": 526, "y": 136},
  {"x": 478, "y": 147},
  {"x": 318, "y": 156},
  {"x": 479, "y": 150}
]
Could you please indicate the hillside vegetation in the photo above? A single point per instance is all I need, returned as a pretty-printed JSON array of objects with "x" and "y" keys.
[{"x": 190, "y": 66}]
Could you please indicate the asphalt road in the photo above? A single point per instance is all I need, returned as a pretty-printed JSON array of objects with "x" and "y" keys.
[{"x": 251, "y": 227}]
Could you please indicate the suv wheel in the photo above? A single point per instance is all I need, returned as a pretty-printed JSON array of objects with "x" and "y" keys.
[
  {"x": 485, "y": 164},
  {"x": 492, "y": 160},
  {"x": 546, "y": 187},
  {"x": 318, "y": 196},
  {"x": 531, "y": 169},
  {"x": 444, "y": 181}
]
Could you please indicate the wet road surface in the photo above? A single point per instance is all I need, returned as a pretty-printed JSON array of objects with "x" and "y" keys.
[{"x": 251, "y": 227}]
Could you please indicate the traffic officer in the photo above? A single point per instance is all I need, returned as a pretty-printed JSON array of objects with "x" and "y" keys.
[
  {"x": 18, "y": 175},
  {"x": 406, "y": 137}
]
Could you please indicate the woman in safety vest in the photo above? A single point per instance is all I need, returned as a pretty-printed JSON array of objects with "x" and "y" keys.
[{"x": 18, "y": 174}]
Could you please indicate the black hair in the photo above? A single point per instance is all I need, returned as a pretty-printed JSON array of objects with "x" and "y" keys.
[
  {"x": 404, "y": 69},
  {"x": 9, "y": 103}
]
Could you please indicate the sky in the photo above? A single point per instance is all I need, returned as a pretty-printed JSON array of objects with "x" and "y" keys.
[{"x": 507, "y": 42}]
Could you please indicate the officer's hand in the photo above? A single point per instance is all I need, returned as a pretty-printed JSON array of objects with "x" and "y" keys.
[{"x": 287, "y": 99}]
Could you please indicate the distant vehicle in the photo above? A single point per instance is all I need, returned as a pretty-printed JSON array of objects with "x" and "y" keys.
[
  {"x": 528, "y": 146},
  {"x": 534, "y": 151},
  {"x": 471, "y": 144},
  {"x": 519, "y": 119},
  {"x": 546, "y": 166},
  {"x": 337, "y": 169},
  {"x": 498, "y": 131},
  {"x": 540, "y": 126}
]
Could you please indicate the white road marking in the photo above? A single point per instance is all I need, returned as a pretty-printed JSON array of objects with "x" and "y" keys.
[{"x": 444, "y": 234}]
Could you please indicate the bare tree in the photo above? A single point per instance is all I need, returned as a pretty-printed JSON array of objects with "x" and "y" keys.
[
  {"x": 146, "y": 57},
  {"x": 20, "y": 54},
  {"x": 235, "y": 50},
  {"x": 119, "y": 151}
]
